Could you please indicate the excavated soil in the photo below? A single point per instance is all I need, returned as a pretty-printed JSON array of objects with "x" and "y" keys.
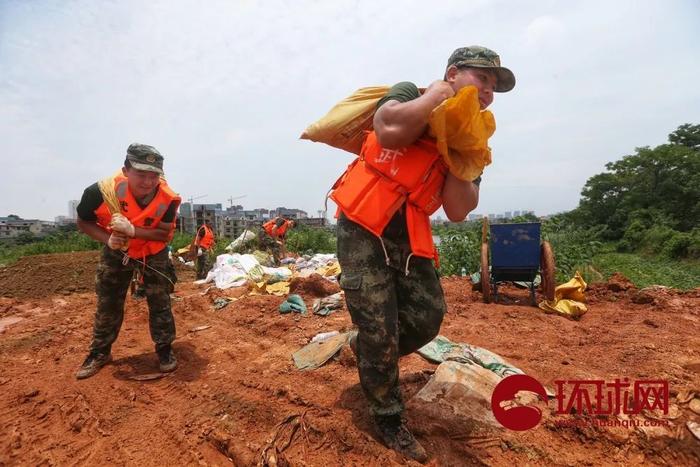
[{"x": 237, "y": 395}]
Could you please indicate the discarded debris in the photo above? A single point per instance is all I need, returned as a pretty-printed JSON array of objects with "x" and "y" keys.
[
  {"x": 222, "y": 302},
  {"x": 315, "y": 354},
  {"x": 694, "y": 428},
  {"x": 200, "y": 328},
  {"x": 695, "y": 405},
  {"x": 293, "y": 303},
  {"x": 324, "y": 335},
  {"x": 327, "y": 305},
  {"x": 148, "y": 376}
]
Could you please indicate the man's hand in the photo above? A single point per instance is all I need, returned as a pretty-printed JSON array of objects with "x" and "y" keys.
[
  {"x": 438, "y": 91},
  {"x": 117, "y": 240},
  {"x": 121, "y": 224}
]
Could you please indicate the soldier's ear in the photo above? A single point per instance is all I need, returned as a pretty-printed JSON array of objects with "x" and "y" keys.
[
  {"x": 451, "y": 73},
  {"x": 124, "y": 171}
]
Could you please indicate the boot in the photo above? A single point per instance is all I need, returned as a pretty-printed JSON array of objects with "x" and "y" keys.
[
  {"x": 395, "y": 435},
  {"x": 95, "y": 360},
  {"x": 166, "y": 358}
]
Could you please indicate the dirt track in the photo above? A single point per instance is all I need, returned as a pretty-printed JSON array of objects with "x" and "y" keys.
[{"x": 236, "y": 380}]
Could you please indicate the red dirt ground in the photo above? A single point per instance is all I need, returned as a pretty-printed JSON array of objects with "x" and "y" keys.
[{"x": 236, "y": 382}]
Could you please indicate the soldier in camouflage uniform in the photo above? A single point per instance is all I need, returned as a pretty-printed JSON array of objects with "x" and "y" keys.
[
  {"x": 142, "y": 170},
  {"x": 394, "y": 297}
]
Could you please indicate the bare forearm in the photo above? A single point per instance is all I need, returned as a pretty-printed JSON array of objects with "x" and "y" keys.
[
  {"x": 92, "y": 230},
  {"x": 459, "y": 198},
  {"x": 400, "y": 124}
]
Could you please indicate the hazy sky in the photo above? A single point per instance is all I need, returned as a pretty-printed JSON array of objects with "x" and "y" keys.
[{"x": 224, "y": 88}]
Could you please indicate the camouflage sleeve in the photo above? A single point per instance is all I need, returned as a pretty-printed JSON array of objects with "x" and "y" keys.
[
  {"x": 169, "y": 215},
  {"x": 402, "y": 92},
  {"x": 91, "y": 200}
]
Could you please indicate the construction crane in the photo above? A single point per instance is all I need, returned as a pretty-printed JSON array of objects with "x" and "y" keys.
[
  {"x": 191, "y": 200},
  {"x": 230, "y": 200}
]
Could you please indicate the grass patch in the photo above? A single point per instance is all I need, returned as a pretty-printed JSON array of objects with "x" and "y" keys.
[
  {"x": 56, "y": 243},
  {"x": 650, "y": 270}
]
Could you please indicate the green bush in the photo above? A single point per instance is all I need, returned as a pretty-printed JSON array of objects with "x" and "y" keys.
[
  {"x": 574, "y": 248},
  {"x": 676, "y": 246},
  {"x": 59, "y": 242},
  {"x": 694, "y": 247},
  {"x": 459, "y": 248},
  {"x": 308, "y": 240}
]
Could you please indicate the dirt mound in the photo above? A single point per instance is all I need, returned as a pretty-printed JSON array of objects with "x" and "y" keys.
[
  {"x": 314, "y": 286},
  {"x": 237, "y": 391},
  {"x": 619, "y": 283},
  {"x": 45, "y": 275}
]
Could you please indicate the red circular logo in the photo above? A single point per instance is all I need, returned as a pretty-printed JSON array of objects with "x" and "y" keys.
[{"x": 518, "y": 418}]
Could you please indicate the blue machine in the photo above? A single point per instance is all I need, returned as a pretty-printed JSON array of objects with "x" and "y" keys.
[{"x": 516, "y": 256}]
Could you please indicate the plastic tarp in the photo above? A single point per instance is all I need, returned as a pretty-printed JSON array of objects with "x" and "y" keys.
[
  {"x": 316, "y": 353},
  {"x": 240, "y": 243},
  {"x": 441, "y": 349},
  {"x": 234, "y": 270},
  {"x": 321, "y": 263}
]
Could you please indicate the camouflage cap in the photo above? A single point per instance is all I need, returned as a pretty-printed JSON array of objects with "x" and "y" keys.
[
  {"x": 145, "y": 157},
  {"x": 480, "y": 57}
]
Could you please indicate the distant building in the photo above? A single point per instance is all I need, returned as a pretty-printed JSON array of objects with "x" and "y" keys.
[
  {"x": 64, "y": 220},
  {"x": 289, "y": 213},
  {"x": 12, "y": 226},
  {"x": 312, "y": 221},
  {"x": 508, "y": 215},
  {"x": 73, "y": 209},
  {"x": 193, "y": 215}
]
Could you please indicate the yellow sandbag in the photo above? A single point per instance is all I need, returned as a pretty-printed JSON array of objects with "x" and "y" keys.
[
  {"x": 344, "y": 126},
  {"x": 568, "y": 299},
  {"x": 462, "y": 131},
  {"x": 458, "y": 124}
]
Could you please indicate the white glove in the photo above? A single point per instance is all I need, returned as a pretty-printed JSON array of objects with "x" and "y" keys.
[
  {"x": 121, "y": 224},
  {"x": 116, "y": 241}
]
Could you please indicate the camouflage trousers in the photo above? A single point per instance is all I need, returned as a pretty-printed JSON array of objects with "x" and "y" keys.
[
  {"x": 204, "y": 264},
  {"x": 395, "y": 313},
  {"x": 112, "y": 282}
]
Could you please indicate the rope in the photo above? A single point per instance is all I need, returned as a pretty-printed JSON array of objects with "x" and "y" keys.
[{"x": 127, "y": 258}]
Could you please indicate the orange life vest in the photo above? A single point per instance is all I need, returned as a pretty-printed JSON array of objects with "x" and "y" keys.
[
  {"x": 380, "y": 181},
  {"x": 207, "y": 240},
  {"x": 281, "y": 230},
  {"x": 147, "y": 218}
]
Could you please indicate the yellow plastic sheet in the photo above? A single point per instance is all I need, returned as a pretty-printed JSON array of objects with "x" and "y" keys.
[
  {"x": 278, "y": 288},
  {"x": 332, "y": 269},
  {"x": 462, "y": 131},
  {"x": 568, "y": 299}
]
